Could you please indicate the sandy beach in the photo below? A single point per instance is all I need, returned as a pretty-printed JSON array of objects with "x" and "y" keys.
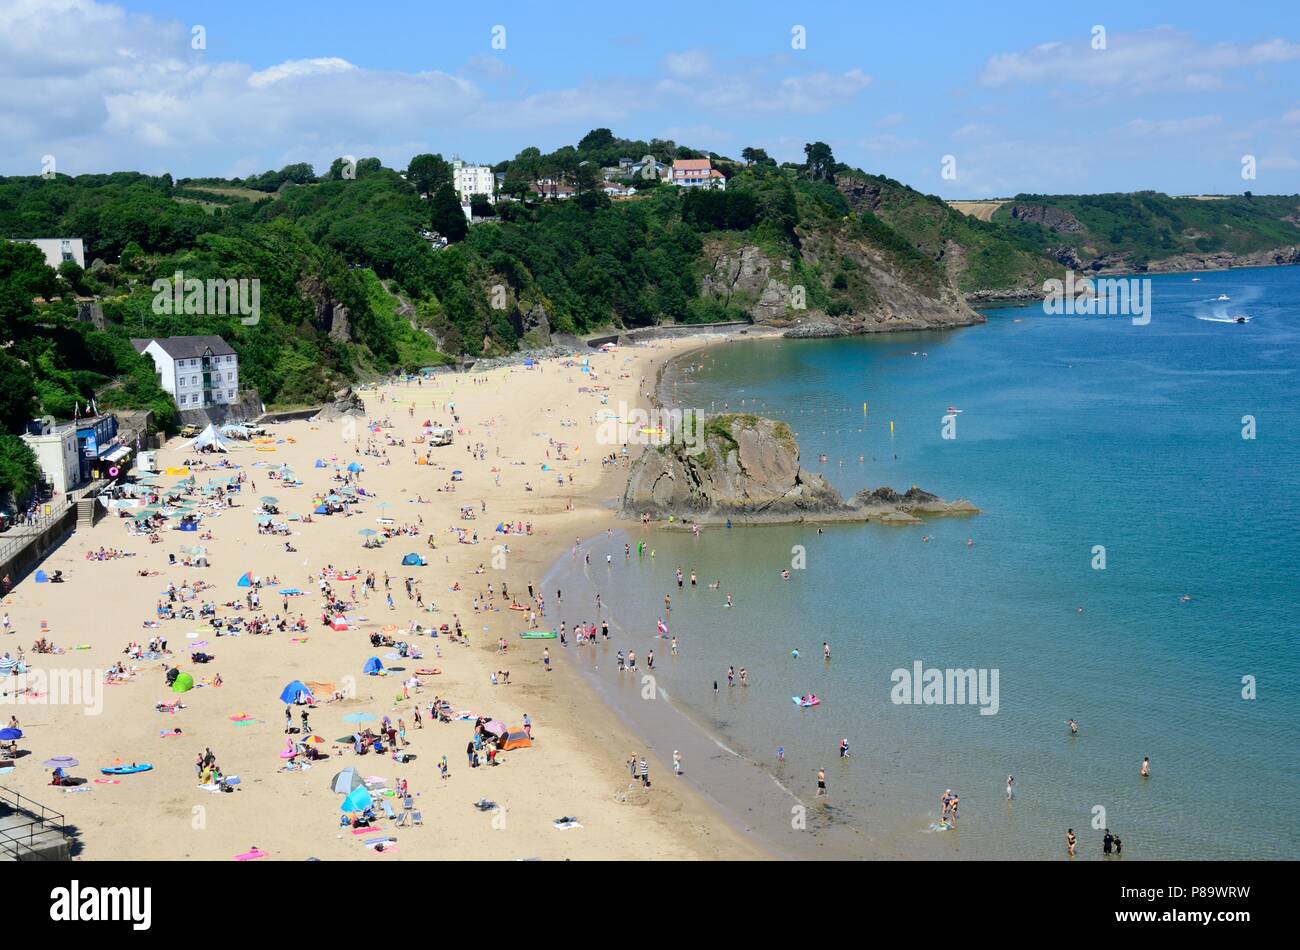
[{"x": 577, "y": 763}]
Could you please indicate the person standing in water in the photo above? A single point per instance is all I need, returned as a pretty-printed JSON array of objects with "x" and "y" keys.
[
  {"x": 1074, "y": 727},
  {"x": 821, "y": 782},
  {"x": 826, "y": 650},
  {"x": 1146, "y": 766},
  {"x": 1070, "y": 841},
  {"x": 844, "y": 748},
  {"x": 677, "y": 762},
  {"x": 1011, "y": 788}
]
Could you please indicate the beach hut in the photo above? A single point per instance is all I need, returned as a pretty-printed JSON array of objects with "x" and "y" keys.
[
  {"x": 373, "y": 667},
  {"x": 413, "y": 560},
  {"x": 183, "y": 683},
  {"x": 296, "y": 692}
]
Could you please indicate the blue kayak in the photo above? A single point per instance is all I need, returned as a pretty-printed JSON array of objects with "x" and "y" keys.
[{"x": 127, "y": 769}]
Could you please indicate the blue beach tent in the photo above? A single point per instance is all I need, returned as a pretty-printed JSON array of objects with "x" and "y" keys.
[
  {"x": 246, "y": 580},
  {"x": 373, "y": 666},
  {"x": 294, "y": 692},
  {"x": 413, "y": 559},
  {"x": 42, "y": 577}
]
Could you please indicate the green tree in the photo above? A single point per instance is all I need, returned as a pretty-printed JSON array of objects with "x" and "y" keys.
[
  {"x": 446, "y": 217},
  {"x": 17, "y": 393},
  {"x": 428, "y": 172},
  {"x": 820, "y": 163},
  {"x": 19, "y": 470}
]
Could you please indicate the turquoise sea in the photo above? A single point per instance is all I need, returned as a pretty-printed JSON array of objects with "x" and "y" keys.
[{"x": 1074, "y": 433}]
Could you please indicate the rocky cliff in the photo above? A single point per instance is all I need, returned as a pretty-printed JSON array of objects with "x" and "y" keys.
[{"x": 746, "y": 469}]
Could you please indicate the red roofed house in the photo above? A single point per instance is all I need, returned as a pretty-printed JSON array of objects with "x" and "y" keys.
[{"x": 696, "y": 173}]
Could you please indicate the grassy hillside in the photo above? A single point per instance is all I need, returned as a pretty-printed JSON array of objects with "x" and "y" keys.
[{"x": 1148, "y": 226}]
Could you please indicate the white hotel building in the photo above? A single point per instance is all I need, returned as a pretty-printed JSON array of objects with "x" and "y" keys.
[
  {"x": 199, "y": 371},
  {"x": 470, "y": 180}
]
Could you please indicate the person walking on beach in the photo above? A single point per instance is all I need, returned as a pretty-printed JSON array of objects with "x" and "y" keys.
[
  {"x": 528, "y": 726},
  {"x": 644, "y": 766},
  {"x": 442, "y": 768},
  {"x": 677, "y": 763},
  {"x": 288, "y": 720},
  {"x": 1070, "y": 842},
  {"x": 650, "y": 659},
  {"x": 306, "y": 726},
  {"x": 546, "y": 659},
  {"x": 821, "y": 782}
]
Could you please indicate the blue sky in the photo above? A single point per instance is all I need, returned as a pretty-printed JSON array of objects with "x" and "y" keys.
[{"x": 1015, "y": 93}]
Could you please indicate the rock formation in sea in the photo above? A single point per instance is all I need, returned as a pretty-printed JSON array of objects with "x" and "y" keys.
[{"x": 746, "y": 469}]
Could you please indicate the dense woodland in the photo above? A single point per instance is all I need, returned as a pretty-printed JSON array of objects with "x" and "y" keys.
[{"x": 354, "y": 240}]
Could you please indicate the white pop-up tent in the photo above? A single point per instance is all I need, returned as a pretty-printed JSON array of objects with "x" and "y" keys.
[{"x": 209, "y": 438}]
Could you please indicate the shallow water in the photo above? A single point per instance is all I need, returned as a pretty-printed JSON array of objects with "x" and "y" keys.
[{"x": 1074, "y": 432}]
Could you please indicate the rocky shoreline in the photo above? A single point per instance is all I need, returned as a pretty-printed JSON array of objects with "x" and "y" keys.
[{"x": 745, "y": 469}]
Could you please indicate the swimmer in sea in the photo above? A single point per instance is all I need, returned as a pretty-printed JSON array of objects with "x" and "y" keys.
[
  {"x": 1074, "y": 727},
  {"x": 1146, "y": 767}
]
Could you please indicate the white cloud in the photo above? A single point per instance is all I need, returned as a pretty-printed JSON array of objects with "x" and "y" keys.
[
  {"x": 1168, "y": 128},
  {"x": 688, "y": 64},
  {"x": 1141, "y": 62}
]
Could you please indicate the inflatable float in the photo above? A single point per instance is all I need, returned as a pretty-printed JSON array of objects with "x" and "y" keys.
[
  {"x": 800, "y": 701},
  {"x": 538, "y": 635},
  {"x": 433, "y": 672}
]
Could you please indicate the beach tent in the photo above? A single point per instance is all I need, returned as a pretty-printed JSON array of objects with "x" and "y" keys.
[
  {"x": 514, "y": 740},
  {"x": 495, "y": 728},
  {"x": 209, "y": 437},
  {"x": 321, "y": 510},
  {"x": 320, "y": 463},
  {"x": 413, "y": 559},
  {"x": 296, "y": 692},
  {"x": 246, "y": 580},
  {"x": 42, "y": 577},
  {"x": 354, "y": 467},
  {"x": 338, "y": 623},
  {"x": 372, "y": 666},
  {"x": 183, "y": 683},
  {"x": 347, "y": 782},
  {"x": 357, "y": 800}
]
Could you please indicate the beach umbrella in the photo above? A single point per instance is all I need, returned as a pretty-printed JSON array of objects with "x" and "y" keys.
[
  {"x": 358, "y": 800},
  {"x": 384, "y": 504},
  {"x": 270, "y": 500},
  {"x": 7, "y": 664},
  {"x": 347, "y": 782},
  {"x": 61, "y": 762},
  {"x": 496, "y": 727},
  {"x": 354, "y": 467},
  {"x": 359, "y": 718},
  {"x": 367, "y": 532},
  {"x": 314, "y": 740},
  {"x": 145, "y": 515},
  {"x": 10, "y": 734}
]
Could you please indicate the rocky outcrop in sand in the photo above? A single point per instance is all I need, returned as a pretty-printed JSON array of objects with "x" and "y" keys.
[{"x": 746, "y": 469}]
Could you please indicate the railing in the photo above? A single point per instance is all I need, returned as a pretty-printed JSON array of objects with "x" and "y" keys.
[
  {"x": 20, "y": 535},
  {"x": 43, "y": 820}
]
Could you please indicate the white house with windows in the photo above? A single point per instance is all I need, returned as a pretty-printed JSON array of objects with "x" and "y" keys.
[
  {"x": 696, "y": 173},
  {"x": 469, "y": 180},
  {"x": 58, "y": 250},
  {"x": 199, "y": 371}
]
